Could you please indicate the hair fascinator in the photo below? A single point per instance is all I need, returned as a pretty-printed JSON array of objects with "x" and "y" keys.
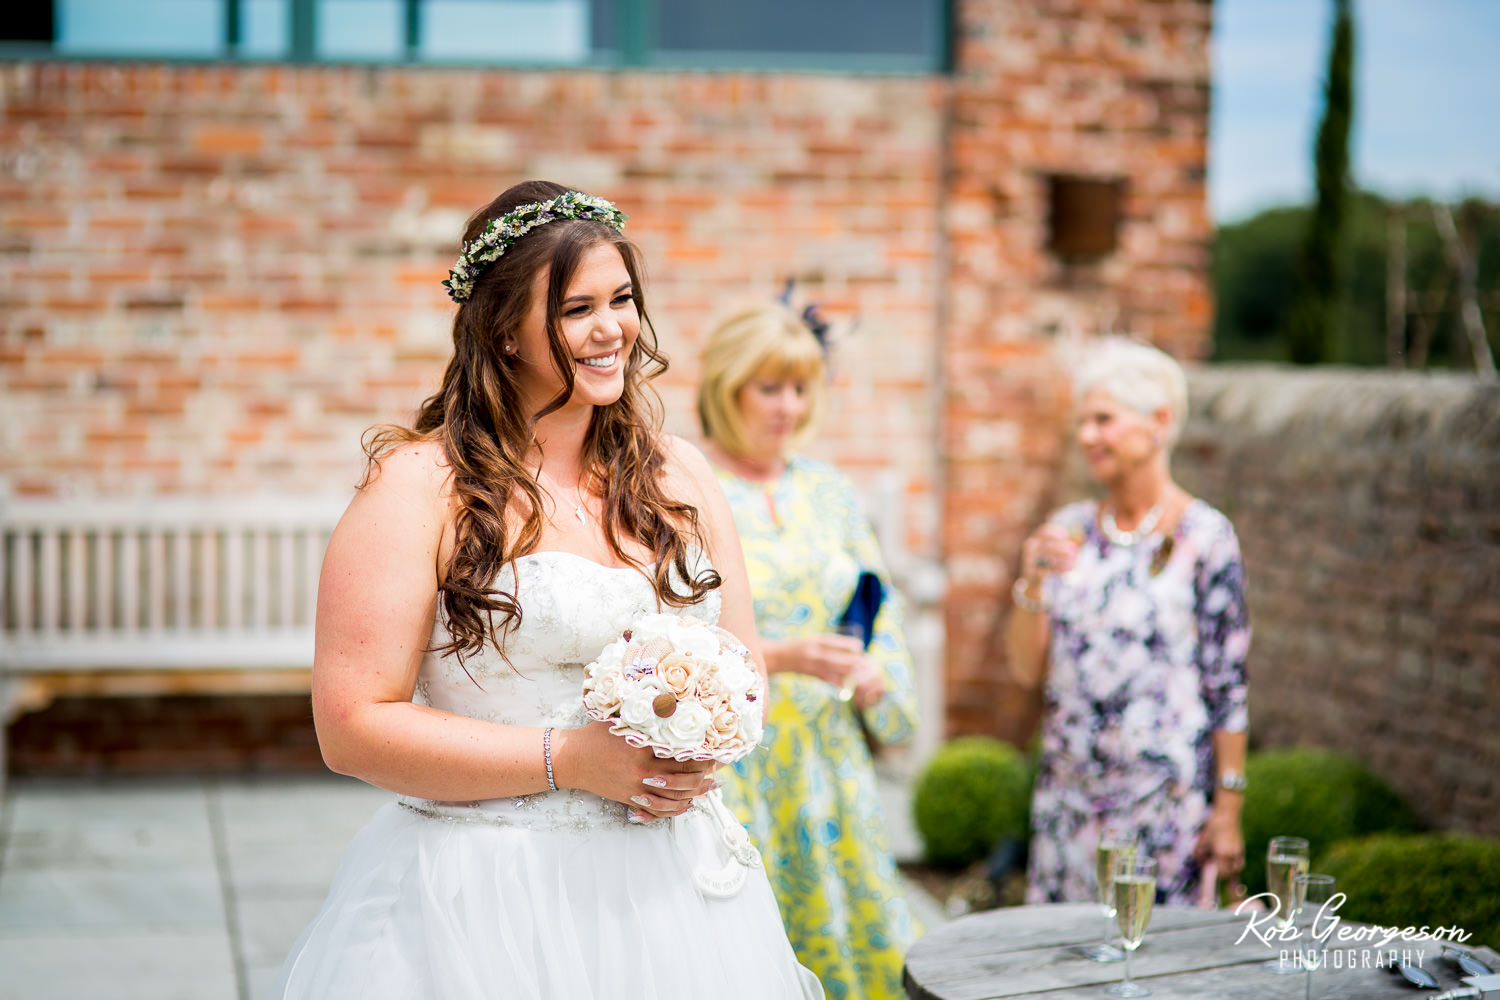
[{"x": 822, "y": 328}]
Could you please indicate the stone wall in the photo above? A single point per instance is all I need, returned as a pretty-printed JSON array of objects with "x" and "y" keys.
[{"x": 1367, "y": 506}]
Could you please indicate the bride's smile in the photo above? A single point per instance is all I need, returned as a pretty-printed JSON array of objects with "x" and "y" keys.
[{"x": 599, "y": 323}]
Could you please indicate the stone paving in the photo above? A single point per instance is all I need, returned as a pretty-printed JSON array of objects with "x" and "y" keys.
[{"x": 188, "y": 888}]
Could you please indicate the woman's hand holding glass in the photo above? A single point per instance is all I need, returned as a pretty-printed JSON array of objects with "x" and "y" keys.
[
  {"x": 1050, "y": 549},
  {"x": 865, "y": 684},
  {"x": 838, "y": 660}
]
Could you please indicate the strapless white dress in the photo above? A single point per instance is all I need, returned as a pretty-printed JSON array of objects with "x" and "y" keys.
[{"x": 553, "y": 895}]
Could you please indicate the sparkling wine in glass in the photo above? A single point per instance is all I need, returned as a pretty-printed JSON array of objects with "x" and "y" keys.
[
  {"x": 1310, "y": 892},
  {"x": 854, "y": 631},
  {"x": 1135, "y": 893},
  {"x": 1115, "y": 842},
  {"x": 1286, "y": 858}
]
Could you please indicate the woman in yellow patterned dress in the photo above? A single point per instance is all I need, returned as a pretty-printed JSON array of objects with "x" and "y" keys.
[{"x": 808, "y": 795}]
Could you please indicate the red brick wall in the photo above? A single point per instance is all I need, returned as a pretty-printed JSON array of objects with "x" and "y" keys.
[
  {"x": 213, "y": 279},
  {"x": 1116, "y": 90},
  {"x": 218, "y": 277},
  {"x": 158, "y": 735}
]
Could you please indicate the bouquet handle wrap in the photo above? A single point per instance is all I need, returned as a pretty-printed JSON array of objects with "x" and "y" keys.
[{"x": 716, "y": 846}]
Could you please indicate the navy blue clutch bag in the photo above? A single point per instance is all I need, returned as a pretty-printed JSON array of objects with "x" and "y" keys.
[{"x": 869, "y": 594}]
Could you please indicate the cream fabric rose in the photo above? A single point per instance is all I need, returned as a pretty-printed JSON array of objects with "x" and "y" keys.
[
  {"x": 653, "y": 626},
  {"x": 751, "y": 728},
  {"x": 736, "y": 677},
  {"x": 687, "y": 726},
  {"x": 679, "y": 673},
  {"x": 636, "y": 709},
  {"x": 693, "y": 638},
  {"x": 724, "y": 724},
  {"x": 610, "y": 659},
  {"x": 605, "y": 694}
]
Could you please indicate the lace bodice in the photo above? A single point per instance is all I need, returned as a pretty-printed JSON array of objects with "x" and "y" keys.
[{"x": 571, "y": 608}]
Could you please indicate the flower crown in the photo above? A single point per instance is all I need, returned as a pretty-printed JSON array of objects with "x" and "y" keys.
[{"x": 500, "y": 234}]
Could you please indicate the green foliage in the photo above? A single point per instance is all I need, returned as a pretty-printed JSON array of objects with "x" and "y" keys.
[
  {"x": 975, "y": 792},
  {"x": 1441, "y": 880},
  {"x": 1317, "y": 794},
  {"x": 1316, "y": 322},
  {"x": 1255, "y": 261}
]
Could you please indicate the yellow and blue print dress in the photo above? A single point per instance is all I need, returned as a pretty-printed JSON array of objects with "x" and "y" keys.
[{"x": 807, "y": 794}]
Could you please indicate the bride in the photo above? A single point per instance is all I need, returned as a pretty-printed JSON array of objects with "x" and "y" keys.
[{"x": 533, "y": 511}]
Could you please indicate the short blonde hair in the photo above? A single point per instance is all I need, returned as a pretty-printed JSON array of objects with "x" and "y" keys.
[
  {"x": 764, "y": 338},
  {"x": 1139, "y": 377}
]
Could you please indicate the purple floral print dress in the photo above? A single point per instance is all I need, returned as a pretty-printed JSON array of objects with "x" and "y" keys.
[{"x": 1146, "y": 661}]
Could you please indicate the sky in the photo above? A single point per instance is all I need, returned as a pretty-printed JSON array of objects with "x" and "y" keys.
[{"x": 1427, "y": 99}]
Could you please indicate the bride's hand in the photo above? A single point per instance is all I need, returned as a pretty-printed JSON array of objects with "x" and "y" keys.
[{"x": 596, "y": 760}]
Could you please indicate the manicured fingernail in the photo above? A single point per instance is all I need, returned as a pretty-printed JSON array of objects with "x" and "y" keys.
[
  {"x": 640, "y": 800},
  {"x": 655, "y": 781},
  {"x": 713, "y": 783},
  {"x": 636, "y": 817}
]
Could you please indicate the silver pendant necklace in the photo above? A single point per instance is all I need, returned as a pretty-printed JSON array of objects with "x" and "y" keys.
[
  {"x": 578, "y": 510},
  {"x": 1126, "y": 539}
]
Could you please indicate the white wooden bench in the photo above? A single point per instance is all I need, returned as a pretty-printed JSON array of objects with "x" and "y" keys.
[
  {"x": 215, "y": 595},
  {"x": 203, "y": 595}
]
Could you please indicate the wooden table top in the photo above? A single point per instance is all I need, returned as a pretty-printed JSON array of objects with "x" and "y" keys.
[{"x": 1027, "y": 952}]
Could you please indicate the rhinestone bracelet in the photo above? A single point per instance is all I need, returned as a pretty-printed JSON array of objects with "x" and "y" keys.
[{"x": 547, "y": 756}]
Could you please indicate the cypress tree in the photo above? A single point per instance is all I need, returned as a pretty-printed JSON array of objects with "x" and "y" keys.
[{"x": 1315, "y": 328}]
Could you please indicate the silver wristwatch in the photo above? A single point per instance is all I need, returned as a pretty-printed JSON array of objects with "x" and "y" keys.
[{"x": 1233, "y": 781}]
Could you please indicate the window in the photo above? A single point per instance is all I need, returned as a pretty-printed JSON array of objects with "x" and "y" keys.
[
  {"x": 900, "y": 35},
  {"x": 1084, "y": 216},
  {"x": 852, "y": 35}
]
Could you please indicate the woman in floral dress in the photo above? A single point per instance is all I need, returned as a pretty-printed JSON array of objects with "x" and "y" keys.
[
  {"x": 808, "y": 795},
  {"x": 1131, "y": 611}
]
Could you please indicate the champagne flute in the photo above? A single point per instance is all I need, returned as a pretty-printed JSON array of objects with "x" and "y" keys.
[
  {"x": 1286, "y": 858},
  {"x": 853, "y": 630},
  {"x": 1311, "y": 892},
  {"x": 1135, "y": 893},
  {"x": 1115, "y": 841}
]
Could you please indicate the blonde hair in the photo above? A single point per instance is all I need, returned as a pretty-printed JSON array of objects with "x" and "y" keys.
[
  {"x": 765, "y": 338},
  {"x": 1139, "y": 377}
]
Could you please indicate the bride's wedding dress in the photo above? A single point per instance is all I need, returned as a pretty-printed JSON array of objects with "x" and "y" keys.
[{"x": 553, "y": 895}]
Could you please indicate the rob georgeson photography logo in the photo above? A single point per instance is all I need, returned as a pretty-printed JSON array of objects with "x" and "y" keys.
[{"x": 1323, "y": 940}]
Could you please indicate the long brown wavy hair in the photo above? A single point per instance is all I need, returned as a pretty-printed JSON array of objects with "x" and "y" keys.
[{"x": 478, "y": 415}]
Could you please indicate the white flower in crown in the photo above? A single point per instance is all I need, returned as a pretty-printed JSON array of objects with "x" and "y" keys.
[
  {"x": 500, "y": 234},
  {"x": 682, "y": 687}
]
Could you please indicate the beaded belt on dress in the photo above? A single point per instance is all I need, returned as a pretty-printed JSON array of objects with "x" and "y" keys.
[{"x": 568, "y": 809}]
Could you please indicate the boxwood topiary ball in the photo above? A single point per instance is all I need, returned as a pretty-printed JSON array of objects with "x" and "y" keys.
[
  {"x": 1317, "y": 794},
  {"x": 1411, "y": 880},
  {"x": 974, "y": 792}
]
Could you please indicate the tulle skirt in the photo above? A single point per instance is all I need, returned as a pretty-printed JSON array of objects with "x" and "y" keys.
[{"x": 446, "y": 908}]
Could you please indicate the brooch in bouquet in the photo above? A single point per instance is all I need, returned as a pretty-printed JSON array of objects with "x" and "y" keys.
[{"x": 689, "y": 691}]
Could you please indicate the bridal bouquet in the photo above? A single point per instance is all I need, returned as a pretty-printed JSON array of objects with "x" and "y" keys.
[
  {"x": 689, "y": 691},
  {"x": 686, "y": 689}
]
